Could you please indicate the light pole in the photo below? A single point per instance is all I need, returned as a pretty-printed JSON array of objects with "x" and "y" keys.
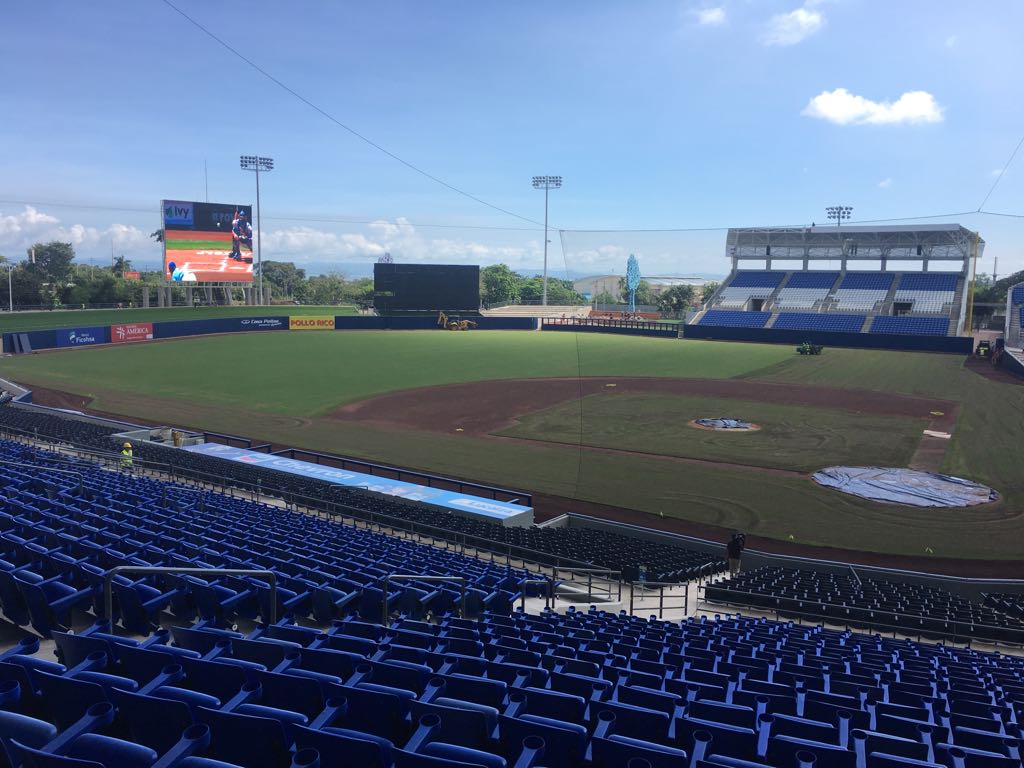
[
  {"x": 546, "y": 183},
  {"x": 265, "y": 164},
  {"x": 838, "y": 213},
  {"x": 10, "y": 290}
]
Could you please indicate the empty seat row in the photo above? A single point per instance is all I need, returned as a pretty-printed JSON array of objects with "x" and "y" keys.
[
  {"x": 911, "y": 325},
  {"x": 864, "y": 602},
  {"x": 575, "y": 690},
  {"x": 735, "y": 319},
  {"x": 823, "y": 321},
  {"x": 662, "y": 561}
]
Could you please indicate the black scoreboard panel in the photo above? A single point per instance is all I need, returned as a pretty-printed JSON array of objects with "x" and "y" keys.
[{"x": 426, "y": 287}]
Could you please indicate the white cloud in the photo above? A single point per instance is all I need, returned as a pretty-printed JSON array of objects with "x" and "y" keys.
[
  {"x": 29, "y": 220},
  {"x": 18, "y": 231},
  {"x": 793, "y": 27},
  {"x": 997, "y": 172},
  {"x": 951, "y": 41},
  {"x": 400, "y": 238},
  {"x": 845, "y": 108},
  {"x": 710, "y": 17},
  {"x": 885, "y": 183}
]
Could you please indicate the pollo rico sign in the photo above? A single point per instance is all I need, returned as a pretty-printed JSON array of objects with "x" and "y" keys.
[
  {"x": 311, "y": 323},
  {"x": 126, "y": 332}
]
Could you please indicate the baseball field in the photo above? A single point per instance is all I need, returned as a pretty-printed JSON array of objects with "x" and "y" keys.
[{"x": 594, "y": 419}]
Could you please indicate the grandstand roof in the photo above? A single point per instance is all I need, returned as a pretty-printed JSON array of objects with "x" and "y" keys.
[{"x": 905, "y": 241}]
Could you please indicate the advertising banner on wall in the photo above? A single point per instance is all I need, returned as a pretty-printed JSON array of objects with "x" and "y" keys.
[
  {"x": 311, "y": 323},
  {"x": 80, "y": 337},
  {"x": 120, "y": 334}
]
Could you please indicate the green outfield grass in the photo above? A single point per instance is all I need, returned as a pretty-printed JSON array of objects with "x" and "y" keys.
[
  {"x": 309, "y": 373},
  {"x": 280, "y": 386},
  {"x": 791, "y": 437},
  {"x": 199, "y": 245},
  {"x": 75, "y": 318}
]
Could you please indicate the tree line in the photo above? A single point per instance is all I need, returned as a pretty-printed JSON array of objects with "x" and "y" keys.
[{"x": 51, "y": 278}]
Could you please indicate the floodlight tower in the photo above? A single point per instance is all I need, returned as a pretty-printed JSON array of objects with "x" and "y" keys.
[
  {"x": 547, "y": 183},
  {"x": 838, "y": 213},
  {"x": 257, "y": 164}
]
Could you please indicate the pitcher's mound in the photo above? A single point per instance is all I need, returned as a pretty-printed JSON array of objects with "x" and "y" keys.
[
  {"x": 724, "y": 425},
  {"x": 910, "y": 487}
]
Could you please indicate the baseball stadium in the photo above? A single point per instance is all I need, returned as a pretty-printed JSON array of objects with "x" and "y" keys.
[{"x": 759, "y": 507}]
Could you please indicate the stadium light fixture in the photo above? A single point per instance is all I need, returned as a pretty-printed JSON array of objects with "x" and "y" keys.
[
  {"x": 547, "y": 183},
  {"x": 258, "y": 164},
  {"x": 838, "y": 213}
]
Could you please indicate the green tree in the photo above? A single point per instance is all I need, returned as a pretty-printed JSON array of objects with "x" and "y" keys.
[
  {"x": 644, "y": 294},
  {"x": 604, "y": 298},
  {"x": 358, "y": 291},
  {"x": 708, "y": 291},
  {"x": 324, "y": 289},
  {"x": 676, "y": 299},
  {"x": 284, "y": 276},
  {"x": 499, "y": 284},
  {"x": 121, "y": 265},
  {"x": 49, "y": 270},
  {"x": 559, "y": 291}
]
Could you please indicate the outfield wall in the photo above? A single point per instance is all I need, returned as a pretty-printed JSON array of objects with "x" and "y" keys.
[
  {"x": 135, "y": 332},
  {"x": 958, "y": 345}
]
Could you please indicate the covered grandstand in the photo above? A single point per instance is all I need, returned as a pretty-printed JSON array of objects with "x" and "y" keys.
[{"x": 898, "y": 280}]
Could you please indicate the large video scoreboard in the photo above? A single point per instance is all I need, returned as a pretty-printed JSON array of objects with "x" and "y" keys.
[{"x": 426, "y": 287}]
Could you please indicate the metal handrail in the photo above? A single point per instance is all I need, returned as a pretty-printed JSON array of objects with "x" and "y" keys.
[
  {"x": 549, "y": 598},
  {"x": 108, "y": 582},
  {"x": 612, "y": 577},
  {"x": 660, "y": 586},
  {"x": 462, "y": 585}
]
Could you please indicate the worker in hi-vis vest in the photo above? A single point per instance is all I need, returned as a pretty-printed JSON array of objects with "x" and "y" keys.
[{"x": 126, "y": 456}]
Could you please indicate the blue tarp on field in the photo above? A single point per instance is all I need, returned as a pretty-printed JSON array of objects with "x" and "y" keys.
[
  {"x": 909, "y": 487},
  {"x": 495, "y": 511}
]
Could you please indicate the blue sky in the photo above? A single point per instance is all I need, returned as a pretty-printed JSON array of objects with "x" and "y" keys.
[{"x": 657, "y": 114}]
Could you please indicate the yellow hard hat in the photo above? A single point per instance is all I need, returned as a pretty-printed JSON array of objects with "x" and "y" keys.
[{"x": 127, "y": 445}]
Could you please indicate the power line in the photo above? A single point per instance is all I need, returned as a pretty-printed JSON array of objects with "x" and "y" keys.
[
  {"x": 1001, "y": 173},
  {"x": 337, "y": 122}
]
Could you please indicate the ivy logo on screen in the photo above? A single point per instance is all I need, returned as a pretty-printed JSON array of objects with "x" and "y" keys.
[{"x": 178, "y": 214}]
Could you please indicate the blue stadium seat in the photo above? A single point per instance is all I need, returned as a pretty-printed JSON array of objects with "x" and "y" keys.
[
  {"x": 735, "y": 318},
  {"x": 910, "y": 325},
  {"x": 825, "y": 321}
]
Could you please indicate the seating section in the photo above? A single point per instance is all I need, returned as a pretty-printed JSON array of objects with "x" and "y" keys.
[
  {"x": 579, "y": 690},
  {"x": 862, "y": 291},
  {"x": 65, "y": 528},
  {"x": 554, "y": 546},
  {"x": 927, "y": 292},
  {"x": 1010, "y": 605},
  {"x": 909, "y": 324},
  {"x": 735, "y": 318},
  {"x": 846, "y": 599},
  {"x": 819, "y": 321},
  {"x": 940, "y": 282},
  {"x": 805, "y": 289},
  {"x": 749, "y": 285}
]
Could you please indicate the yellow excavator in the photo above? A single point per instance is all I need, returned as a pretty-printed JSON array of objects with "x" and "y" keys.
[{"x": 443, "y": 321}]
